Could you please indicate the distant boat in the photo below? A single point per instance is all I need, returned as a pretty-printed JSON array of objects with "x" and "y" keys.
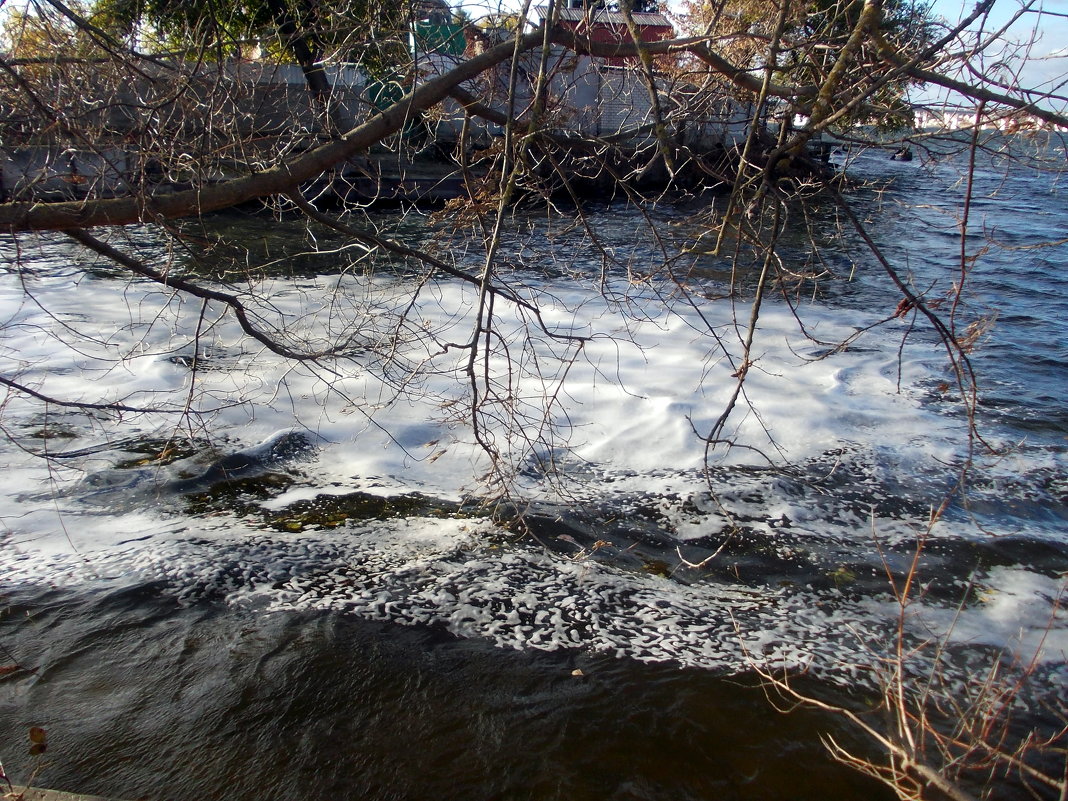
[{"x": 904, "y": 154}]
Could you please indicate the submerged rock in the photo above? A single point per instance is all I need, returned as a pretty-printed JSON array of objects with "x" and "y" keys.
[
  {"x": 278, "y": 450},
  {"x": 143, "y": 478}
]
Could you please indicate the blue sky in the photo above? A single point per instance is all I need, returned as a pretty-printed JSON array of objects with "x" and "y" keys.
[{"x": 1042, "y": 64}]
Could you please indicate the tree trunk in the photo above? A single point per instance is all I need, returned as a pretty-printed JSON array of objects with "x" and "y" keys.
[{"x": 336, "y": 119}]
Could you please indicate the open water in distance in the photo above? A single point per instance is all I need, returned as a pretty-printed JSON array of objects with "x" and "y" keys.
[{"x": 315, "y": 631}]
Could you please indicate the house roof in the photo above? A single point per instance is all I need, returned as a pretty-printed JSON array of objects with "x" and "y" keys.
[{"x": 602, "y": 16}]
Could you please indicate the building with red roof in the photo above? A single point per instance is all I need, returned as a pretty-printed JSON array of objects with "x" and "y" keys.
[{"x": 602, "y": 25}]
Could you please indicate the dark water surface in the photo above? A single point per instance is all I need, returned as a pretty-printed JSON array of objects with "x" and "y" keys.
[{"x": 146, "y": 700}]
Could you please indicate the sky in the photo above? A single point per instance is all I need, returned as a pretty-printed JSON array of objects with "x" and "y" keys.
[
  {"x": 1045, "y": 62},
  {"x": 1034, "y": 54}
]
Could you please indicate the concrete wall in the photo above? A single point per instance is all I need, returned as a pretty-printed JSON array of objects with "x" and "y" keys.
[
  {"x": 599, "y": 99},
  {"x": 133, "y": 131},
  {"x": 52, "y": 172},
  {"x": 231, "y": 98}
]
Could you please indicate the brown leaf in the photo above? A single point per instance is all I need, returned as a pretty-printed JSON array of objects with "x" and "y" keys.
[
  {"x": 38, "y": 736},
  {"x": 7, "y": 670}
]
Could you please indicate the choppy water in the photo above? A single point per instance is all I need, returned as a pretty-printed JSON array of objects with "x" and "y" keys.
[{"x": 340, "y": 622}]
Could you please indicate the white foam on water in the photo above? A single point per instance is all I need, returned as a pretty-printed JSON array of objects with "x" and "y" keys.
[
  {"x": 455, "y": 574},
  {"x": 629, "y": 412},
  {"x": 1018, "y": 610},
  {"x": 637, "y": 398},
  {"x": 448, "y": 573}
]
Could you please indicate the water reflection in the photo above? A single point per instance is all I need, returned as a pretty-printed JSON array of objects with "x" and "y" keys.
[{"x": 153, "y": 701}]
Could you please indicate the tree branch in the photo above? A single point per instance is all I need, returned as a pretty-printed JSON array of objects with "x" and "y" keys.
[
  {"x": 279, "y": 179},
  {"x": 235, "y": 304}
]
